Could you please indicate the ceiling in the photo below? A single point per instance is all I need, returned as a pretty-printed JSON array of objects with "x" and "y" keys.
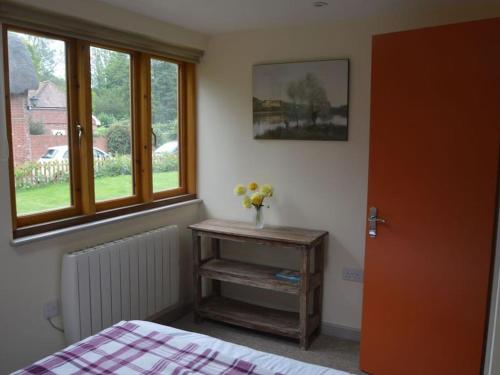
[{"x": 219, "y": 16}]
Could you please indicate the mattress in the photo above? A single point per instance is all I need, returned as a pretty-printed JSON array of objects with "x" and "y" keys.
[{"x": 138, "y": 347}]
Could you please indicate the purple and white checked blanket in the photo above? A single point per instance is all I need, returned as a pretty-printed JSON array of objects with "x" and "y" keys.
[{"x": 126, "y": 349}]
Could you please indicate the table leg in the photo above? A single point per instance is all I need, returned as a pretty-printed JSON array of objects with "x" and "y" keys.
[
  {"x": 216, "y": 284},
  {"x": 304, "y": 298},
  {"x": 319, "y": 256},
  {"x": 197, "y": 292}
]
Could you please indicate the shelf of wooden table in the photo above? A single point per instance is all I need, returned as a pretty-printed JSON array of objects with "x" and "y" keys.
[
  {"x": 284, "y": 323},
  {"x": 255, "y": 275}
]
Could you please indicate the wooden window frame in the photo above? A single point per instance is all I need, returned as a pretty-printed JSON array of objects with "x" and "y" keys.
[
  {"x": 84, "y": 208},
  {"x": 31, "y": 219},
  {"x": 135, "y": 125},
  {"x": 181, "y": 127}
]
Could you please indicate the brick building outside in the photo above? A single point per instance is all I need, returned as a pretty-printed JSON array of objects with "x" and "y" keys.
[
  {"x": 40, "y": 121},
  {"x": 38, "y": 110}
]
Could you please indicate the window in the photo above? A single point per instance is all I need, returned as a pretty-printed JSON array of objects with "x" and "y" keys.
[
  {"x": 112, "y": 124},
  {"x": 38, "y": 85},
  {"x": 94, "y": 130},
  {"x": 165, "y": 120}
]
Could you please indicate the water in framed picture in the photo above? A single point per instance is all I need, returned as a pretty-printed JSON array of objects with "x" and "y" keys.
[{"x": 301, "y": 100}]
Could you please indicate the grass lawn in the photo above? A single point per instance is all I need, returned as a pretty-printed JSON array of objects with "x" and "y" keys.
[{"x": 50, "y": 197}]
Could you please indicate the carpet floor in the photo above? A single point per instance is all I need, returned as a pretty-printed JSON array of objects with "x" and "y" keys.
[{"x": 325, "y": 350}]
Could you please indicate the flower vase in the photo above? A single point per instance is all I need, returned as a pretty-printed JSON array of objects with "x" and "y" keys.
[{"x": 259, "y": 218}]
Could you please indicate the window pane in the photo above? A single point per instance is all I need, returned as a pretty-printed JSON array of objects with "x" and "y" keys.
[
  {"x": 164, "y": 97},
  {"x": 111, "y": 124},
  {"x": 39, "y": 122}
]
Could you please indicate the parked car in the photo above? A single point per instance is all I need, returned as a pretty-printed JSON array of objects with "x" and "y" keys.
[
  {"x": 167, "y": 148},
  {"x": 58, "y": 153}
]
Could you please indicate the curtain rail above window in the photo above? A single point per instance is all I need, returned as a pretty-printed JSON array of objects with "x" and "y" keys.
[{"x": 46, "y": 21}]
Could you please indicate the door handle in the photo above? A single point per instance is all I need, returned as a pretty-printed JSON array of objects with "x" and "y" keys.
[{"x": 373, "y": 220}]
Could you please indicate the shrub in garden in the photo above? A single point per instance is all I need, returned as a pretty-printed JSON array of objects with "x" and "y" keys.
[
  {"x": 33, "y": 175},
  {"x": 115, "y": 166},
  {"x": 165, "y": 163},
  {"x": 36, "y": 127},
  {"x": 119, "y": 139}
]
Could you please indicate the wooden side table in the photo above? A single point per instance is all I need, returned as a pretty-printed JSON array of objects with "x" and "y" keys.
[{"x": 299, "y": 325}]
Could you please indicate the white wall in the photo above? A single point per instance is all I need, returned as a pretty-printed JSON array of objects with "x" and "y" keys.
[
  {"x": 30, "y": 275},
  {"x": 318, "y": 184}
]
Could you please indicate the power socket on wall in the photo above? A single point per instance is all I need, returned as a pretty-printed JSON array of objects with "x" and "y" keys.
[{"x": 352, "y": 274}]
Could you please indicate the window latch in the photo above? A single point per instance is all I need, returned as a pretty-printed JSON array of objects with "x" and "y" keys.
[
  {"x": 79, "y": 129},
  {"x": 154, "y": 138}
]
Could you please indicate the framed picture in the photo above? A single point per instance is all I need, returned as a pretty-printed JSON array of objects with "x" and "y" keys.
[{"x": 301, "y": 100}]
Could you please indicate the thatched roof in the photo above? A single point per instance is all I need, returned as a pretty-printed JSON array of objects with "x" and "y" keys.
[{"x": 22, "y": 75}]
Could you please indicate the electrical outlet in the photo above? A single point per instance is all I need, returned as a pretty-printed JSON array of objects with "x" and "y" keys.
[
  {"x": 51, "y": 309},
  {"x": 352, "y": 274}
]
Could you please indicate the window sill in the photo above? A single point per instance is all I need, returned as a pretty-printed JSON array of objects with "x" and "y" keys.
[{"x": 20, "y": 239}]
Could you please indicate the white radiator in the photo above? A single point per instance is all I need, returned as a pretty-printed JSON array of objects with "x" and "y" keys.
[{"x": 132, "y": 278}]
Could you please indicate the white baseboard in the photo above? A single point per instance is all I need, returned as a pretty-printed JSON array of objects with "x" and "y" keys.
[
  {"x": 172, "y": 314},
  {"x": 340, "y": 331}
]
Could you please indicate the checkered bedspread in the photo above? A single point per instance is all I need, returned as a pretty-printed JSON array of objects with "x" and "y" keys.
[{"x": 125, "y": 348}]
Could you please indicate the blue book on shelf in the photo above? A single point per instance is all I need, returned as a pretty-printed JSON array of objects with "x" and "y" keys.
[{"x": 288, "y": 275}]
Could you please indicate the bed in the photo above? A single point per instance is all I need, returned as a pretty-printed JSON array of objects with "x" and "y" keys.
[{"x": 139, "y": 347}]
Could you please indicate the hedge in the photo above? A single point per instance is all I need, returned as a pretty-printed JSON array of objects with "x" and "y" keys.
[{"x": 31, "y": 174}]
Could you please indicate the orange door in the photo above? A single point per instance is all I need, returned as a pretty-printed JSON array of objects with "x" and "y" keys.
[{"x": 433, "y": 175}]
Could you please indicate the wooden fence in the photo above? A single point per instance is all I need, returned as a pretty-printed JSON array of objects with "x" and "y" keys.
[
  {"x": 36, "y": 173},
  {"x": 32, "y": 174}
]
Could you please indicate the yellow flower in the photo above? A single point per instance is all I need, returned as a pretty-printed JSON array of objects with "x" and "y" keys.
[
  {"x": 257, "y": 199},
  {"x": 247, "y": 202},
  {"x": 240, "y": 190},
  {"x": 267, "y": 190},
  {"x": 252, "y": 186}
]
